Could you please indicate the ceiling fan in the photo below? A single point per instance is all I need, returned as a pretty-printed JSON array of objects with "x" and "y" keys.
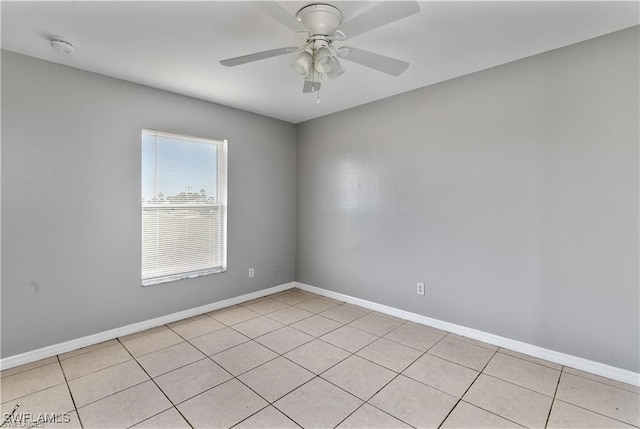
[{"x": 320, "y": 24}]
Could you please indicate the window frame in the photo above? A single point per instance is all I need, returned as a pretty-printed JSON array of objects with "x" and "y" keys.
[{"x": 221, "y": 201}]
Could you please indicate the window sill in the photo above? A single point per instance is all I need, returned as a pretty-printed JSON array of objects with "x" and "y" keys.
[{"x": 182, "y": 276}]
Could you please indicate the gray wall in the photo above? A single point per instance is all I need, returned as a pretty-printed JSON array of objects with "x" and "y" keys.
[
  {"x": 71, "y": 202},
  {"x": 513, "y": 193}
]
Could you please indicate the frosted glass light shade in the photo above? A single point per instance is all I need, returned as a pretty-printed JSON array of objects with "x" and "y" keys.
[
  {"x": 325, "y": 62},
  {"x": 303, "y": 64}
]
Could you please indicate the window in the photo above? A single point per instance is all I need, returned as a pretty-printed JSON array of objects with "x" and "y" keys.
[{"x": 184, "y": 197}]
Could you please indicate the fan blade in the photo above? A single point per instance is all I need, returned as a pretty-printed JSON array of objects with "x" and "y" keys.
[
  {"x": 232, "y": 62},
  {"x": 381, "y": 14},
  {"x": 280, "y": 14},
  {"x": 310, "y": 86},
  {"x": 375, "y": 61}
]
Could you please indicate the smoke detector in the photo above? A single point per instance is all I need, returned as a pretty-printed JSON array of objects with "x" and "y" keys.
[{"x": 63, "y": 46}]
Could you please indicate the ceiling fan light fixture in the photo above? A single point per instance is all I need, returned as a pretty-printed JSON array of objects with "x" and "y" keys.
[
  {"x": 303, "y": 64},
  {"x": 324, "y": 62},
  {"x": 337, "y": 70},
  {"x": 318, "y": 60}
]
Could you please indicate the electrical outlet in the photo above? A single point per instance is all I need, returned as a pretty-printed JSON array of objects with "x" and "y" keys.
[
  {"x": 251, "y": 273},
  {"x": 420, "y": 288},
  {"x": 276, "y": 269}
]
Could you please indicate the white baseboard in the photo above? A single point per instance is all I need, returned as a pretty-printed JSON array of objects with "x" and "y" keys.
[
  {"x": 587, "y": 365},
  {"x": 67, "y": 346}
]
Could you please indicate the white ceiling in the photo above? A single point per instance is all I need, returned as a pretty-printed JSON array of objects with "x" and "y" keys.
[{"x": 176, "y": 45}]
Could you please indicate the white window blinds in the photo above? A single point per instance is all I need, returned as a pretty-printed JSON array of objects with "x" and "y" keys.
[{"x": 184, "y": 195}]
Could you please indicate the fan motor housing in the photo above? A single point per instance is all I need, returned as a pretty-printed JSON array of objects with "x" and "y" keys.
[{"x": 320, "y": 18}]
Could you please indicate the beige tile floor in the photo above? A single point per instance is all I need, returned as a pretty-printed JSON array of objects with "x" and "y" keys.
[{"x": 295, "y": 359}]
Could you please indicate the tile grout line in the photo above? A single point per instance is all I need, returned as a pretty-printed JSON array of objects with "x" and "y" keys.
[
  {"x": 387, "y": 413},
  {"x": 600, "y": 382},
  {"x": 595, "y": 412},
  {"x": 470, "y": 384},
  {"x": 397, "y": 374},
  {"x": 110, "y": 394},
  {"x": 553, "y": 399},
  {"x": 207, "y": 389},
  {"x": 153, "y": 351},
  {"x": 205, "y": 357},
  {"x": 259, "y": 395},
  {"x": 315, "y": 376},
  {"x": 423, "y": 353},
  {"x": 581, "y": 407},
  {"x": 272, "y": 403},
  {"x": 88, "y": 351},
  {"x": 493, "y": 413},
  {"x": 471, "y": 341},
  {"x": 351, "y": 413},
  {"x": 39, "y": 390},
  {"x": 528, "y": 360},
  {"x": 66, "y": 382},
  {"x": 350, "y": 354},
  {"x": 158, "y": 387},
  {"x": 2, "y": 377},
  {"x": 317, "y": 338},
  {"x": 518, "y": 385},
  {"x": 236, "y": 377},
  {"x": 482, "y": 372},
  {"x": 477, "y": 406}
]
